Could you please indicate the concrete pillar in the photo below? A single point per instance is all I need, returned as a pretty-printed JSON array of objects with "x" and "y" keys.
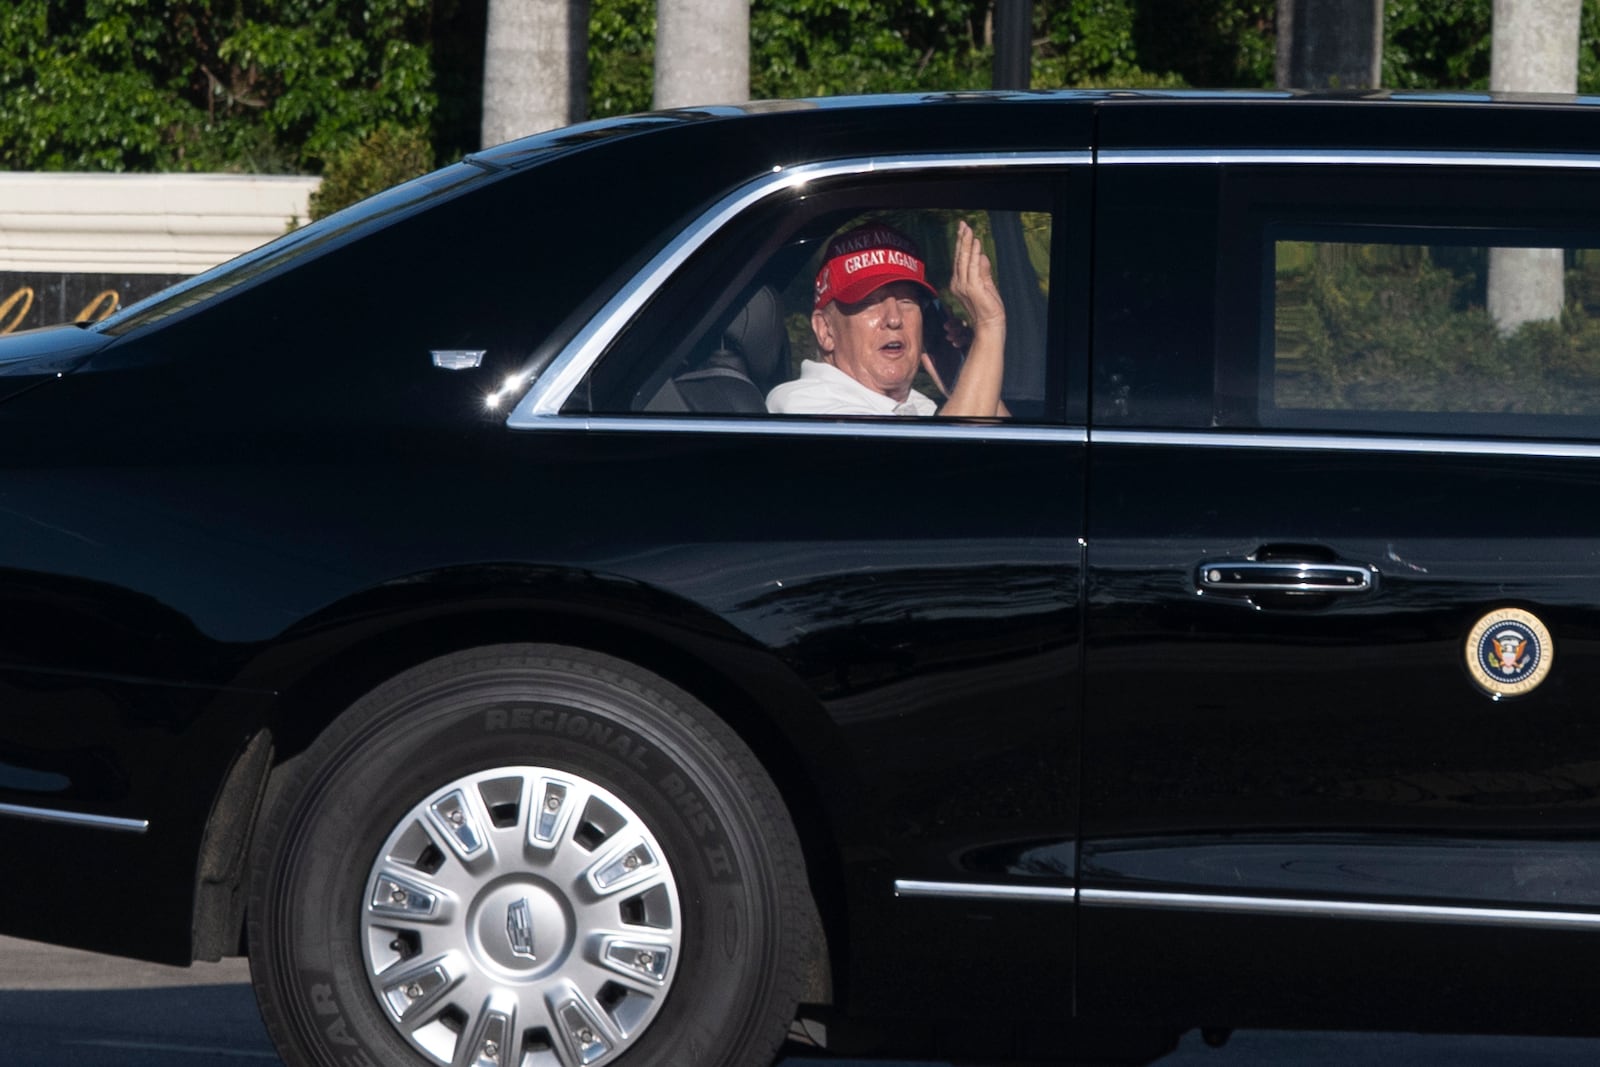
[
  {"x": 1535, "y": 46},
  {"x": 535, "y": 67},
  {"x": 1534, "y": 50},
  {"x": 1525, "y": 285},
  {"x": 702, "y": 52}
]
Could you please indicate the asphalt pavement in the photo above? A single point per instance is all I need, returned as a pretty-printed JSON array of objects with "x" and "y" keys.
[{"x": 58, "y": 1006}]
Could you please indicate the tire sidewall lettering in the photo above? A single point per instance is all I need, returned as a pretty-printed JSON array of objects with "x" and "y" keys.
[
  {"x": 330, "y": 1017},
  {"x": 630, "y": 761}
]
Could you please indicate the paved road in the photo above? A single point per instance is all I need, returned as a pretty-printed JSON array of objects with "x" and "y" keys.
[{"x": 63, "y": 1007}]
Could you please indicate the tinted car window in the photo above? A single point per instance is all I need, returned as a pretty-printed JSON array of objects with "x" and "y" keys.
[
  {"x": 769, "y": 259},
  {"x": 1390, "y": 324},
  {"x": 1409, "y": 299}
]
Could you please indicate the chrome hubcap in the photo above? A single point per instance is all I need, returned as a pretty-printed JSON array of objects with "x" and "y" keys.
[{"x": 521, "y": 917}]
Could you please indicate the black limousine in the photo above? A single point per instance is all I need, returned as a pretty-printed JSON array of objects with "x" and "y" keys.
[{"x": 988, "y": 576}]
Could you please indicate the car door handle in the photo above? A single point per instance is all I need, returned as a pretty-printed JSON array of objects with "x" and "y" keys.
[{"x": 1285, "y": 576}]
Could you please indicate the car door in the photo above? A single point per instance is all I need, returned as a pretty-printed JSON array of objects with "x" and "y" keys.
[
  {"x": 1341, "y": 761},
  {"x": 906, "y": 588}
]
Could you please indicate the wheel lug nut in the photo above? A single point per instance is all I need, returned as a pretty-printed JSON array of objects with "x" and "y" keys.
[
  {"x": 630, "y": 862},
  {"x": 646, "y": 959},
  {"x": 457, "y": 817},
  {"x": 585, "y": 1036},
  {"x": 552, "y": 803},
  {"x": 397, "y": 895},
  {"x": 414, "y": 991},
  {"x": 491, "y": 1050}
]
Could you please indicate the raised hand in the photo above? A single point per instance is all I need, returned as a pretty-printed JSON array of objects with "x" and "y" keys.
[
  {"x": 977, "y": 392},
  {"x": 972, "y": 281}
]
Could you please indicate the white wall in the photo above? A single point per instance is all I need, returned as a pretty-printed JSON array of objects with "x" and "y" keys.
[{"x": 141, "y": 223}]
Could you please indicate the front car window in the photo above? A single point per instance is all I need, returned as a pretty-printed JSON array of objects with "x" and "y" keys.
[{"x": 738, "y": 326}]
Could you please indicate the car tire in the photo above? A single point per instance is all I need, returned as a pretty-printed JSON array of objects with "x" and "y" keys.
[{"x": 528, "y": 856}]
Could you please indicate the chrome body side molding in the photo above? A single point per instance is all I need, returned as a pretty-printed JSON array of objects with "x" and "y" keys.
[
  {"x": 905, "y": 887},
  {"x": 1245, "y": 905},
  {"x": 1340, "y": 909},
  {"x": 73, "y": 818}
]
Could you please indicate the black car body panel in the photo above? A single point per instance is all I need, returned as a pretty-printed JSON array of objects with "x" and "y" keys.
[{"x": 1031, "y": 758}]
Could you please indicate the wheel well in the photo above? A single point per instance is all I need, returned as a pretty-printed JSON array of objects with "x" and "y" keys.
[{"x": 316, "y": 697}]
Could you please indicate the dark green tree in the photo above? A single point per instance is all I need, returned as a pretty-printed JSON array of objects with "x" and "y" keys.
[
  {"x": 1445, "y": 44},
  {"x": 622, "y": 37},
  {"x": 286, "y": 85},
  {"x": 1229, "y": 44},
  {"x": 255, "y": 85},
  {"x": 828, "y": 47},
  {"x": 387, "y": 156},
  {"x": 1437, "y": 44}
]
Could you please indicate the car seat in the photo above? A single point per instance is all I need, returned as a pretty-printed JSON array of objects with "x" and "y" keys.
[{"x": 752, "y": 358}]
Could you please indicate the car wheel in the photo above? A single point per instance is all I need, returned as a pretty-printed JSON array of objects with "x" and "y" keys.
[{"x": 527, "y": 856}]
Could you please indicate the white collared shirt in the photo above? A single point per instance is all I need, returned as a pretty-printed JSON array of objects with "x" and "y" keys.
[{"x": 823, "y": 389}]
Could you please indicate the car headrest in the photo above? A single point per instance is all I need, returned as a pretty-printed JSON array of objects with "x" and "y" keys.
[{"x": 757, "y": 333}]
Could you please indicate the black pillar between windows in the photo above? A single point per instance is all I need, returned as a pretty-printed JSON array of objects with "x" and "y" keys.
[
  {"x": 1013, "y": 44},
  {"x": 1330, "y": 44}
]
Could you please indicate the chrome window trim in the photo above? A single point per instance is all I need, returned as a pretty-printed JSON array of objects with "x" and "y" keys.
[
  {"x": 554, "y": 386},
  {"x": 1348, "y": 157},
  {"x": 907, "y": 887},
  {"x": 815, "y": 426},
  {"x": 1326, "y": 442},
  {"x": 1339, "y": 909},
  {"x": 74, "y": 818}
]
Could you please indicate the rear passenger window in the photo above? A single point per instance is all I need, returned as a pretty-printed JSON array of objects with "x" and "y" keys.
[
  {"x": 1447, "y": 298},
  {"x": 1382, "y": 326}
]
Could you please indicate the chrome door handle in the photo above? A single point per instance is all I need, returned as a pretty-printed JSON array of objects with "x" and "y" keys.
[{"x": 1286, "y": 577}]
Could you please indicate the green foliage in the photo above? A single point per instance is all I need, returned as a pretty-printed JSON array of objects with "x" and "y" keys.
[
  {"x": 1153, "y": 43},
  {"x": 827, "y": 47},
  {"x": 1224, "y": 44},
  {"x": 622, "y": 36},
  {"x": 270, "y": 85},
  {"x": 387, "y": 156},
  {"x": 1087, "y": 44},
  {"x": 1589, "y": 48},
  {"x": 284, "y": 85},
  {"x": 1445, "y": 44},
  {"x": 830, "y": 47},
  {"x": 1437, "y": 44}
]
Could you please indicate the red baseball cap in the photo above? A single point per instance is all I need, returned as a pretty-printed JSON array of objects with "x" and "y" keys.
[{"x": 865, "y": 258}]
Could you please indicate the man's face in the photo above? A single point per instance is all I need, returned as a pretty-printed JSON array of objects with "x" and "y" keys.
[{"x": 878, "y": 341}]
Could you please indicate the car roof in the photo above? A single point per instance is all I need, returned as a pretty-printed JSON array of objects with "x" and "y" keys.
[{"x": 1138, "y": 117}]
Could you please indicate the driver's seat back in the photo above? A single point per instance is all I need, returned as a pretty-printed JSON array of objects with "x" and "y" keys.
[{"x": 753, "y": 357}]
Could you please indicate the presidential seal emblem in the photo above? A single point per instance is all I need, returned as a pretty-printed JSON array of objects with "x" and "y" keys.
[{"x": 1509, "y": 652}]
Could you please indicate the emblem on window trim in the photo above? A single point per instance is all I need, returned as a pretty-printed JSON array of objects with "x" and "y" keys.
[{"x": 1509, "y": 652}]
